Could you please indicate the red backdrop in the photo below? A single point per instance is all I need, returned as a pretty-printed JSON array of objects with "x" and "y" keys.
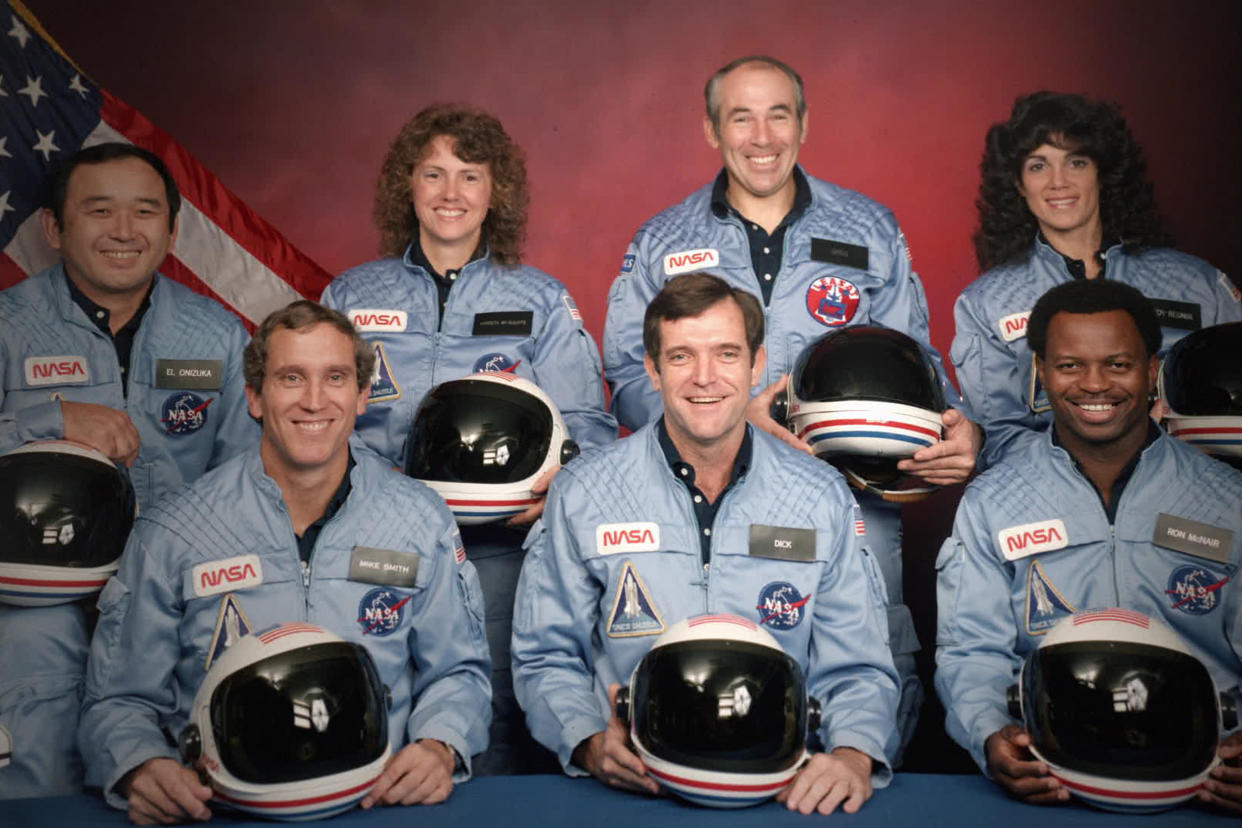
[{"x": 292, "y": 105}]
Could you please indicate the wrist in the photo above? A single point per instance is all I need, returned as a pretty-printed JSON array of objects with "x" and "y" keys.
[
  {"x": 444, "y": 752},
  {"x": 864, "y": 763}
]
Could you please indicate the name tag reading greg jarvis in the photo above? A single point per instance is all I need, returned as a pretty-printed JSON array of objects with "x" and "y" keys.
[{"x": 383, "y": 566}]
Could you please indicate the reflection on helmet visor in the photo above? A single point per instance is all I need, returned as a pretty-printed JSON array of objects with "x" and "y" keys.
[
  {"x": 1121, "y": 710},
  {"x": 301, "y": 714},
  {"x": 867, "y": 364},
  {"x": 721, "y": 705},
  {"x": 473, "y": 431},
  {"x": 1203, "y": 373},
  {"x": 63, "y": 510}
]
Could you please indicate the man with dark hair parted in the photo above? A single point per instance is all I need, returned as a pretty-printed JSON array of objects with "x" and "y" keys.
[
  {"x": 1064, "y": 195},
  {"x": 309, "y": 526},
  {"x": 102, "y": 350},
  {"x": 819, "y": 257},
  {"x": 740, "y": 523},
  {"x": 1078, "y": 518}
]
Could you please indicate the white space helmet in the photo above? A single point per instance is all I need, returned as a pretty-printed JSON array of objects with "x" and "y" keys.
[
  {"x": 865, "y": 398},
  {"x": 65, "y": 512},
  {"x": 1201, "y": 380},
  {"x": 1122, "y": 713},
  {"x": 483, "y": 441},
  {"x": 718, "y": 712},
  {"x": 290, "y": 723}
]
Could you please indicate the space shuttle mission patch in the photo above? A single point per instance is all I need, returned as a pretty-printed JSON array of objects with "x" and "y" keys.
[
  {"x": 231, "y": 624},
  {"x": 1045, "y": 605},
  {"x": 383, "y": 385},
  {"x": 633, "y": 611},
  {"x": 6, "y": 747}
]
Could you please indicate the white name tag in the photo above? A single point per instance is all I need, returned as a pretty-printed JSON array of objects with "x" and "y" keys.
[
  {"x": 378, "y": 320},
  {"x": 1013, "y": 326},
  {"x": 1031, "y": 538},
  {"x": 611, "y": 538},
  {"x": 57, "y": 370},
  {"x": 241, "y": 572}
]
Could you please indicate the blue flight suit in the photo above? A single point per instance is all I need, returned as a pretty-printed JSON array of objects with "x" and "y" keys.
[
  {"x": 1032, "y": 543},
  {"x": 590, "y": 606},
  {"x": 161, "y": 615},
  {"x": 496, "y": 318}
]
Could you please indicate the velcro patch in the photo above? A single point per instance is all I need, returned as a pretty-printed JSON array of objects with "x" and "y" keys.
[
  {"x": 1032, "y": 538},
  {"x": 240, "y": 572},
  {"x": 1202, "y": 540},
  {"x": 782, "y": 543},
  {"x": 198, "y": 374},
  {"x": 611, "y": 538},
  {"x": 1013, "y": 326},
  {"x": 373, "y": 320},
  {"x": 383, "y": 566},
  {"x": 231, "y": 624},
  {"x": 839, "y": 253},
  {"x": 57, "y": 370},
  {"x": 633, "y": 611},
  {"x": 686, "y": 261}
]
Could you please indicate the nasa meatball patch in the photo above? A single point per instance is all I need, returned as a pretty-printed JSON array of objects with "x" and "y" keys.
[
  {"x": 1194, "y": 590},
  {"x": 184, "y": 413},
  {"x": 381, "y": 611},
  {"x": 781, "y": 606}
]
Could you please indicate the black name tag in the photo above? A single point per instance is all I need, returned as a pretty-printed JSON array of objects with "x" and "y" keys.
[
  {"x": 782, "y": 543},
  {"x": 201, "y": 374},
  {"x": 1185, "y": 315},
  {"x": 1202, "y": 540},
  {"x": 504, "y": 323},
  {"x": 383, "y": 566},
  {"x": 838, "y": 252}
]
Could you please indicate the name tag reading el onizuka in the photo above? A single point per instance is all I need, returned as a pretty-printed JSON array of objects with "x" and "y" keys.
[{"x": 199, "y": 374}]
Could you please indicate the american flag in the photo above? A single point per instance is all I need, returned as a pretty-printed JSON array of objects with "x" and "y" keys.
[
  {"x": 49, "y": 109},
  {"x": 1125, "y": 616}
]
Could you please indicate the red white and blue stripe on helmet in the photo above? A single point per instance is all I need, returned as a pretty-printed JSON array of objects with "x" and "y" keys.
[
  {"x": 39, "y": 592},
  {"x": 722, "y": 619},
  {"x": 1123, "y": 616},
  {"x": 278, "y": 632},
  {"x": 301, "y": 808},
  {"x": 721, "y": 794},
  {"x": 1227, "y": 438},
  {"x": 851, "y": 426},
  {"x": 486, "y": 508},
  {"x": 1142, "y": 798}
]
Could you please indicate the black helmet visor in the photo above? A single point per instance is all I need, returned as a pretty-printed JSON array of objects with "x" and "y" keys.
[
  {"x": 867, "y": 363},
  {"x": 1121, "y": 710},
  {"x": 721, "y": 705},
  {"x": 301, "y": 714},
  {"x": 59, "y": 509},
  {"x": 1203, "y": 373},
  {"x": 475, "y": 431}
]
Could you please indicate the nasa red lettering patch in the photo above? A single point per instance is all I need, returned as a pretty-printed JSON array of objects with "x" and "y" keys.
[
  {"x": 240, "y": 572},
  {"x": 832, "y": 301},
  {"x": 1032, "y": 538},
  {"x": 367, "y": 320},
  {"x": 57, "y": 370},
  {"x": 611, "y": 538}
]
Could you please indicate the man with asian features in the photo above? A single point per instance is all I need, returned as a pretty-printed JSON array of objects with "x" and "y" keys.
[
  {"x": 734, "y": 521},
  {"x": 103, "y": 350},
  {"x": 819, "y": 257},
  {"x": 1103, "y": 510},
  {"x": 310, "y": 526}
]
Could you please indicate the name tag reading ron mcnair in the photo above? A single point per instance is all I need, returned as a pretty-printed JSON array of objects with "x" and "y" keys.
[
  {"x": 783, "y": 543},
  {"x": 200, "y": 374},
  {"x": 383, "y": 566},
  {"x": 1203, "y": 540}
]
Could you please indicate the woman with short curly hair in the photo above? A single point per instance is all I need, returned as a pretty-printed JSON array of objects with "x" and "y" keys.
[
  {"x": 451, "y": 205},
  {"x": 1064, "y": 195}
]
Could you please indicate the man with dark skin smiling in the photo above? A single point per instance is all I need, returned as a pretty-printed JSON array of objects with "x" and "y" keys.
[
  {"x": 732, "y": 521},
  {"x": 1087, "y": 516}
]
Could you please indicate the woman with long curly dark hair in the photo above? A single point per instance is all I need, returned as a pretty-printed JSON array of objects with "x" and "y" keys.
[
  {"x": 1064, "y": 195},
  {"x": 451, "y": 206}
]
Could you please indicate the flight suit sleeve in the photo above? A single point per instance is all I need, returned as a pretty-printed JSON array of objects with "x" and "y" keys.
[
  {"x": 567, "y": 368},
  {"x": 555, "y": 614},
  {"x": 634, "y": 401}
]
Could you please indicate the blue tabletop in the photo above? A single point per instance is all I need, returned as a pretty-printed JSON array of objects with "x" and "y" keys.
[{"x": 924, "y": 800}]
